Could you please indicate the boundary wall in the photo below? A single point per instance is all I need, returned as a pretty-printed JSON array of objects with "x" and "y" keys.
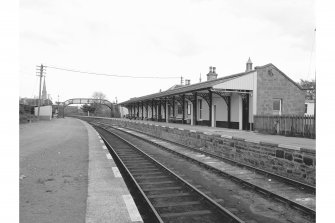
[{"x": 297, "y": 164}]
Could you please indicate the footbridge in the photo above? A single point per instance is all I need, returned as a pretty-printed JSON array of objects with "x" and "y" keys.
[{"x": 110, "y": 105}]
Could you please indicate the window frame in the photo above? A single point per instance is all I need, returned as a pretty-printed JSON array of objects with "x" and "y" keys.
[
  {"x": 277, "y": 112},
  {"x": 179, "y": 109},
  {"x": 188, "y": 105}
]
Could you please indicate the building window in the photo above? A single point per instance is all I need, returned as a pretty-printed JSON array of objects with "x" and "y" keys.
[
  {"x": 277, "y": 106},
  {"x": 188, "y": 108},
  {"x": 306, "y": 106},
  {"x": 200, "y": 108},
  {"x": 179, "y": 110}
]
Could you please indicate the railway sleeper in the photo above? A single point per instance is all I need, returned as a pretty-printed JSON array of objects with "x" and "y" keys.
[
  {"x": 161, "y": 189},
  {"x": 169, "y": 195},
  {"x": 187, "y": 213},
  {"x": 150, "y": 177},
  {"x": 173, "y": 204},
  {"x": 146, "y": 173},
  {"x": 155, "y": 183}
]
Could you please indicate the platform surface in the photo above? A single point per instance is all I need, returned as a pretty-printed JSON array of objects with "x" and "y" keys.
[
  {"x": 290, "y": 142},
  {"x": 67, "y": 175}
]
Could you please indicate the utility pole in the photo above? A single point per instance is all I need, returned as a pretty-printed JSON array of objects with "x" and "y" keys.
[{"x": 39, "y": 95}]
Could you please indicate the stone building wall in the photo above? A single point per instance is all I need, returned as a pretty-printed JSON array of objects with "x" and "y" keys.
[
  {"x": 295, "y": 164},
  {"x": 272, "y": 83}
]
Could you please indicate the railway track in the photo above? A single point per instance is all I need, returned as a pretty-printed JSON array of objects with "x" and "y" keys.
[
  {"x": 169, "y": 197},
  {"x": 293, "y": 193}
]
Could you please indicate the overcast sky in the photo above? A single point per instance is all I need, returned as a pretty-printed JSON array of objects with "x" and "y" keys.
[{"x": 158, "y": 38}]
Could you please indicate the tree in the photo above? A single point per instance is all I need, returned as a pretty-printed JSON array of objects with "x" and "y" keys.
[
  {"x": 99, "y": 109},
  {"x": 98, "y": 95},
  {"x": 87, "y": 108},
  {"x": 310, "y": 87}
]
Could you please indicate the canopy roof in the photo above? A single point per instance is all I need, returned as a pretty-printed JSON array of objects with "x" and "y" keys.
[
  {"x": 183, "y": 89},
  {"x": 186, "y": 88}
]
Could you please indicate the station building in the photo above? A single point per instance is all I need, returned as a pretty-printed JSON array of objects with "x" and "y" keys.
[{"x": 230, "y": 101}]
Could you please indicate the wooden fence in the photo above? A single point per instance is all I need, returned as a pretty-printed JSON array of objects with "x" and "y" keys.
[{"x": 290, "y": 125}]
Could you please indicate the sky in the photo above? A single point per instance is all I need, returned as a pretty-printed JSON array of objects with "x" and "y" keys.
[{"x": 158, "y": 39}]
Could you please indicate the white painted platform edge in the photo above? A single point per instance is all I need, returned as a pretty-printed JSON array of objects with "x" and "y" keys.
[
  {"x": 116, "y": 172},
  {"x": 208, "y": 133},
  {"x": 289, "y": 147},
  {"x": 226, "y": 136},
  {"x": 180, "y": 128},
  {"x": 251, "y": 140},
  {"x": 104, "y": 147},
  {"x": 192, "y": 130},
  {"x": 109, "y": 156},
  {"x": 132, "y": 209},
  {"x": 101, "y": 141}
]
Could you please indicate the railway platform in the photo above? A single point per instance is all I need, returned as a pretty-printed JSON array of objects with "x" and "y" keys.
[
  {"x": 285, "y": 141},
  {"x": 68, "y": 175}
]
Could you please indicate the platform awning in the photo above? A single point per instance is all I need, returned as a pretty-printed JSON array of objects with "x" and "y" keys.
[{"x": 204, "y": 86}]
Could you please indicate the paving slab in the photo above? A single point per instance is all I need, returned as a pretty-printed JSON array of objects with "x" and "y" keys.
[
  {"x": 53, "y": 171},
  {"x": 67, "y": 175},
  {"x": 108, "y": 197}
]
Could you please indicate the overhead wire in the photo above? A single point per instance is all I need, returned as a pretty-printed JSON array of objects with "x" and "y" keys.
[
  {"x": 28, "y": 74},
  {"x": 105, "y": 74}
]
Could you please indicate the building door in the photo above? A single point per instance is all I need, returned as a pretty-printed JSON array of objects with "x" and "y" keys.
[{"x": 245, "y": 112}]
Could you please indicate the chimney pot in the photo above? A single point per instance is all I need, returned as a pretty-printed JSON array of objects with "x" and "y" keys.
[
  {"x": 211, "y": 75},
  {"x": 187, "y": 82}
]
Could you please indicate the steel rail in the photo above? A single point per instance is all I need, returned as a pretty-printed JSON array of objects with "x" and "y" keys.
[
  {"x": 208, "y": 200},
  {"x": 301, "y": 185},
  {"x": 119, "y": 160},
  {"x": 253, "y": 186}
]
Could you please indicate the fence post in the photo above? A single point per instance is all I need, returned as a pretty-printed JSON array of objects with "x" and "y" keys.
[{"x": 303, "y": 127}]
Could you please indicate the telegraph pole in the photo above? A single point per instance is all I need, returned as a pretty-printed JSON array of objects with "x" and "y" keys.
[{"x": 39, "y": 95}]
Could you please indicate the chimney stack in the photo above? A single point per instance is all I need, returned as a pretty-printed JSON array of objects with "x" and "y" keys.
[
  {"x": 248, "y": 66},
  {"x": 187, "y": 82},
  {"x": 212, "y": 75}
]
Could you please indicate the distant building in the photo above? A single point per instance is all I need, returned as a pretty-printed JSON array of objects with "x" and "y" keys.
[
  {"x": 45, "y": 112},
  {"x": 34, "y": 101},
  {"x": 309, "y": 107},
  {"x": 229, "y": 101}
]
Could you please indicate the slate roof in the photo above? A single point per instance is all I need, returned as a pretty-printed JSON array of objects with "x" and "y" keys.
[
  {"x": 187, "y": 88},
  {"x": 202, "y": 86}
]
